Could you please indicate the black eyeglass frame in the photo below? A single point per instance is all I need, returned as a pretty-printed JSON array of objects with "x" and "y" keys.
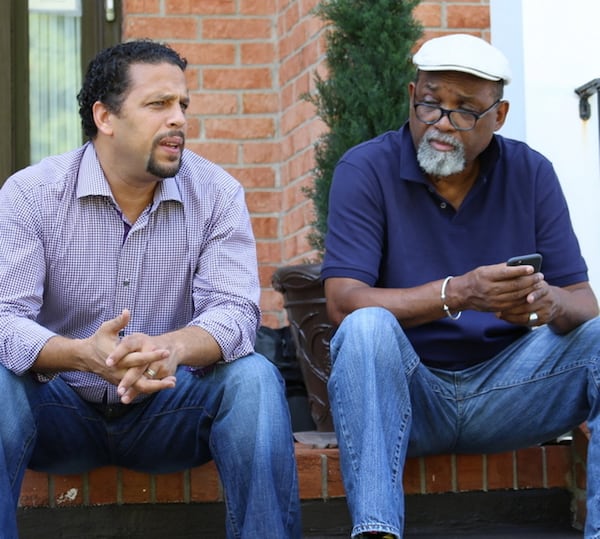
[{"x": 448, "y": 112}]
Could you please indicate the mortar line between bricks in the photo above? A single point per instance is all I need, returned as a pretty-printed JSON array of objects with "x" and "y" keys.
[
  {"x": 86, "y": 488},
  {"x": 422, "y": 479},
  {"x": 324, "y": 482},
  {"x": 544, "y": 467},
  {"x": 51, "y": 491},
  {"x": 453, "y": 473},
  {"x": 187, "y": 496},
  {"x": 120, "y": 486},
  {"x": 484, "y": 473},
  {"x": 515, "y": 471}
]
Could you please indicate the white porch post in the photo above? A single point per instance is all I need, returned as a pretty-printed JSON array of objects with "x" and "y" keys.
[{"x": 554, "y": 47}]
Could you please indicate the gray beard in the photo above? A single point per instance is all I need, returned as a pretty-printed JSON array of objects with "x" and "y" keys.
[{"x": 437, "y": 163}]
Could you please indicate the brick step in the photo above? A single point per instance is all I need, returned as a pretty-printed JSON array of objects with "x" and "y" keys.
[{"x": 540, "y": 467}]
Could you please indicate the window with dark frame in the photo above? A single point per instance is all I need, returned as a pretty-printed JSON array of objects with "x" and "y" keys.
[{"x": 47, "y": 44}]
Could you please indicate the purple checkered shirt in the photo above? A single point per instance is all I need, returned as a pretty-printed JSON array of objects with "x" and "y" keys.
[{"x": 67, "y": 263}]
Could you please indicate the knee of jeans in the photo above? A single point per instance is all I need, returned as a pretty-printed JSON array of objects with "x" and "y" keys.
[
  {"x": 255, "y": 366},
  {"x": 254, "y": 398},
  {"x": 589, "y": 334},
  {"x": 369, "y": 319},
  {"x": 369, "y": 324},
  {"x": 255, "y": 380},
  {"x": 12, "y": 386},
  {"x": 15, "y": 402},
  {"x": 592, "y": 327},
  {"x": 371, "y": 334}
]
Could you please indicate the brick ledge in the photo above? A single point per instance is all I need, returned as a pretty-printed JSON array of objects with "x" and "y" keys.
[{"x": 548, "y": 466}]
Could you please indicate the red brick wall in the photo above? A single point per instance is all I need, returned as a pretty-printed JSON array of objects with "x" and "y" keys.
[
  {"x": 250, "y": 61},
  {"x": 319, "y": 477}
]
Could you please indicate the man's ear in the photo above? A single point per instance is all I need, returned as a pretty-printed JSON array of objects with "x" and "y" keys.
[
  {"x": 102, "y": 118},
  {"x": 501, "y": 114},
  {"x": 411, "y": 91}
]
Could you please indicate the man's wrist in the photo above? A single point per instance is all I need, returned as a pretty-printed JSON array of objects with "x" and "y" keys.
[{"x": 443, "y": 297}]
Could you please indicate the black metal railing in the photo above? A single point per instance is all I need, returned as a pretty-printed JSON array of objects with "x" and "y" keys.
[{"x": 584, "y": 92}]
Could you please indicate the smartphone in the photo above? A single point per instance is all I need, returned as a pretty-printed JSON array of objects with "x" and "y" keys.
[{"x": 534, "y": 259}]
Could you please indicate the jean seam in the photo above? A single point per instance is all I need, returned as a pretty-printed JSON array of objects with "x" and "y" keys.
[{"x": 524, "y": 382}]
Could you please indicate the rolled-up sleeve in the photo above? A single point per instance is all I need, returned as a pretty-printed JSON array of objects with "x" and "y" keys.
[
  {"x": 226, "y": 289},
  {"x": 22, "y": 272}
]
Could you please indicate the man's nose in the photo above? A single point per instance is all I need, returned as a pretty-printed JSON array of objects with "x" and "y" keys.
[{"x": 177, "y": 117}]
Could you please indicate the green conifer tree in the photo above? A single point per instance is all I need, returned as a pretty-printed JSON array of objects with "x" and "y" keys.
[{"x": 369, "y": 49}]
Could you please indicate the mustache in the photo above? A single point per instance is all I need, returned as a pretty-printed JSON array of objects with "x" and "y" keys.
[
  {"x": 172, "y": 133},
  {"x": 442, "y": 137}
]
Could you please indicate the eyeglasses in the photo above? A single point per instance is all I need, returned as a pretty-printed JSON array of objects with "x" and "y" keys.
[{"x": 461, "y": 120}]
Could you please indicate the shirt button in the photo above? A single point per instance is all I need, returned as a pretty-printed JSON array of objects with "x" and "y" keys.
[
  {"x": 443, "y": 205},
  {"x": 125, "y": 283}
]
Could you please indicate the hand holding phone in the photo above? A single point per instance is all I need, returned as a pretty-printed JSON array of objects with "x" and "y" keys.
[{"x": 534, "y": 259}]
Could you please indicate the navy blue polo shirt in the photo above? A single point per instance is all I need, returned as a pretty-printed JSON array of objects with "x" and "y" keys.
[{"x": 389, "y": 228}]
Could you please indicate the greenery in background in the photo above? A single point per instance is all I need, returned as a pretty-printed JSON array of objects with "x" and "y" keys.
[{"x": 369, "y": 49}]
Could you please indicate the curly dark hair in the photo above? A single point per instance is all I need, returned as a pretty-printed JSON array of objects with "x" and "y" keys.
[{"x": 107, "y": 77}]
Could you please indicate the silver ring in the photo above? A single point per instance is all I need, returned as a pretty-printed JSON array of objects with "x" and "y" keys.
[
  {"x": 149, "y": 373},
  {"x": 533, "y": 318}
]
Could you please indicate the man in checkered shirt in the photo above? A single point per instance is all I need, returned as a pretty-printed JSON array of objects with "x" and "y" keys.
[{"x": 129, "y": 307}]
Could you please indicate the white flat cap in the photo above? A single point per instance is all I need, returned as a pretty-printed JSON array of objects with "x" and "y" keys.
[{"x": 463, "y": 52}]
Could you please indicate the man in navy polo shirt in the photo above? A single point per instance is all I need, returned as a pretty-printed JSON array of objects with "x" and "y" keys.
[{"x": 442, "y": 346}]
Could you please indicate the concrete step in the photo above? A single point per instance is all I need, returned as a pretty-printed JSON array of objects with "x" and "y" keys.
[{"x": 511, "y": 513}]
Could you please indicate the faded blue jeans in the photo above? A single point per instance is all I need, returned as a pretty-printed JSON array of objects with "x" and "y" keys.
[
  {"x": 236, "y": 414},
  {"x": 387, "y": 405}
]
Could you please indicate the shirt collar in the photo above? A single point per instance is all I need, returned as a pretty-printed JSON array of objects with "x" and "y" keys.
[
  {"x": 412, "y": 171},
  {"x": 91, "y": 180}
]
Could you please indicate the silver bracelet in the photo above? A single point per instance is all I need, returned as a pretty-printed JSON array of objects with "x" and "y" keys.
[{"x": 443, "y": 297}]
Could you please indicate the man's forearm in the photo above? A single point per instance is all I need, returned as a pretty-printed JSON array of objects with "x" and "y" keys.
[
  {"x": 191, "y": 346},
  {"x": 62, "y": 354}
]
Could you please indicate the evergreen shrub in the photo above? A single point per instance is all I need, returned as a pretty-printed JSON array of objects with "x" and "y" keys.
[{"x": 369, "y": 47}]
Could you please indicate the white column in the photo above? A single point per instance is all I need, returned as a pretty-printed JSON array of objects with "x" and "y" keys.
[{"x": 554, "y": 47}]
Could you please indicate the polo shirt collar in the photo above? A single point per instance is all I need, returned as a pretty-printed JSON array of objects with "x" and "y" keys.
[{"x": 412, "y": 170}]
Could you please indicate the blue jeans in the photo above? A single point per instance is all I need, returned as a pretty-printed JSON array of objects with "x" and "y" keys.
[
  {"x": 387, "y": 405},
  {"x": 236, "y": 414}
]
